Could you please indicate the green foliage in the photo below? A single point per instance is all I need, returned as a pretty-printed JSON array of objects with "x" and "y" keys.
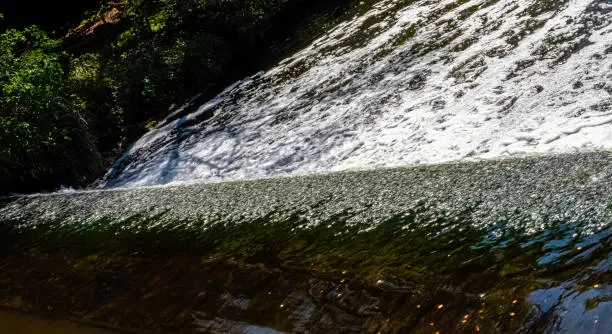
[
  {"x": 31, "y": 82},
  {"x": 159, "y": 58},
  {"x": 37, "y": 118}
]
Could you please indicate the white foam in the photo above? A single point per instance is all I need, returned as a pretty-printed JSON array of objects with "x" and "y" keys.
[{"x": 344, "y": 104}]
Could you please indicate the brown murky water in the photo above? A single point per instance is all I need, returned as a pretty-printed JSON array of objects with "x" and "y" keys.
[{"x": 16, "y": 322}]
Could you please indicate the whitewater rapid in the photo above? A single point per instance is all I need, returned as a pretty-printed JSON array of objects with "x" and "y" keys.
[{"x": 399, "y": 83}]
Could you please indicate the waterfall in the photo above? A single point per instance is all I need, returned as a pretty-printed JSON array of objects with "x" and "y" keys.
[
  {"x": 410, "y": 217},
  {"x": 401, "y": 82}
]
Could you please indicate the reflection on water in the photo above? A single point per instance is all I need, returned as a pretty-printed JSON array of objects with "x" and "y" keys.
[
  {"x": 424, "y": 271},
  {"x": 497, "y": 247},
  {"x": 14, "y": 322},
  {"x": 575, "y": 311}
]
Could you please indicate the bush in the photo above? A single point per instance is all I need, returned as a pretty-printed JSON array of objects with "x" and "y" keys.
[{"x": 40, "y": 128}]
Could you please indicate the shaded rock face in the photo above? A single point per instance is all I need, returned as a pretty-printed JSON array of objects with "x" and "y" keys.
[{"x": 111, "y": 14}]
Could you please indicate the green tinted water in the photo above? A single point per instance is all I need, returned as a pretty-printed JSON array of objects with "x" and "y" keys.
[{"x": 495, "y": 246}]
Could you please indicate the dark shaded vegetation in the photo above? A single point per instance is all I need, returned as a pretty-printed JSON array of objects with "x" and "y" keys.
[
  {"x": 72, "y": 100},
  {"x": 48, "y": 15},
  {"x": 41, "y": 131}
]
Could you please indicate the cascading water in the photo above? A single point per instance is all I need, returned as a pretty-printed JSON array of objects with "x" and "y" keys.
[
  {"x": 500, "y": 245},
  {"x": 402, "y": 82}
]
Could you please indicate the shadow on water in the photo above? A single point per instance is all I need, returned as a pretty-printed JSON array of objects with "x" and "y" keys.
[
  {"x": 15, "y": 322},
  {"x": 423, "y": 271}
]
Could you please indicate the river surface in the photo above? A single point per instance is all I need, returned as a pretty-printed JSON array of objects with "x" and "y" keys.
[
  {"x": 512, "y": 245},
  {"x": 421, "y": 167},
  {"x": 15, "y": 322}
]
